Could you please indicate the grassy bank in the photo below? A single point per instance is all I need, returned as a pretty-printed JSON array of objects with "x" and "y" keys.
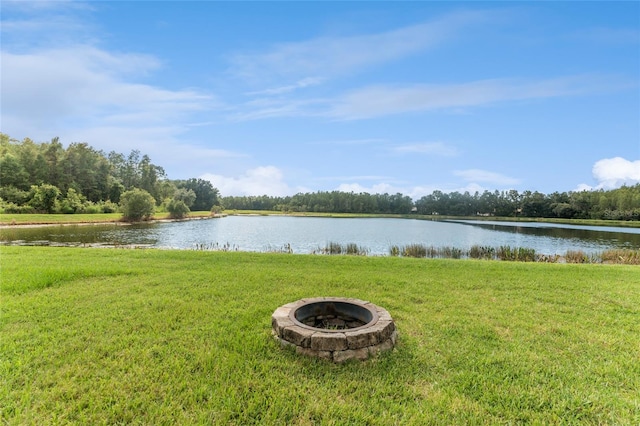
[
  {"x": 97, "y": 336},
  {"x": 57, "y": 219}
]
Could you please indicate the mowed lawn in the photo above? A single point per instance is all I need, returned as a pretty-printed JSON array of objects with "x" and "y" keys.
[{"x": 113, "y": 336}]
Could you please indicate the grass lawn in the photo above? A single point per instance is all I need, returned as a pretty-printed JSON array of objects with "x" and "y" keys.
[{"x": 109, "y": 336}]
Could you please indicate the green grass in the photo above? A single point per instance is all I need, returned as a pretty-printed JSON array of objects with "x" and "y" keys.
[
  {"x": 108, "y": 336},
  {"x": 43, "y": 219}
]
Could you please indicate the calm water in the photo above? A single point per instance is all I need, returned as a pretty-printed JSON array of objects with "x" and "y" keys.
[{"x": 308, "y": 234}]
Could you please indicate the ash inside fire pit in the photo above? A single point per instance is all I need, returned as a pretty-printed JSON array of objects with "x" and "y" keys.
[
  {"x": 334, "y": 328},
  {"x": 333, "y": 315},
  {"x": 331, "y": 322}
]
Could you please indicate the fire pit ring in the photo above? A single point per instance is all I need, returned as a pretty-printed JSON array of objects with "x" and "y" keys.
[{"x": 334, "y": 328}]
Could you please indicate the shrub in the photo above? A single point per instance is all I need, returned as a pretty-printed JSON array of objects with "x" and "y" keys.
[
  {"x": 44, "y": 198},
  {"x": 13, "y": 208},
  {"x": 177, "y": 209},
  {"x": 137, "y": 204},
  {"x": 14, "y": 195},
  {"x": 92, "y": 208},
  {"x": 73, "y": 202},
  {"x": 108, "y": 207}
]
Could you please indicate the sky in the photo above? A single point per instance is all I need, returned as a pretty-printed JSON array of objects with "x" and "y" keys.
[{"x": 278, "y": 98}]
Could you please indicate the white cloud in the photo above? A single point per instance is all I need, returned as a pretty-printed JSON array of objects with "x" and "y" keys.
[
  {"x": 611, "y": 173},
  {"x": 415, "y": 192},
  {"x": 265, "y": 180},
  {"x": 331, "y": 56},
  {"x": 363, "y": 177},
  {"x": 477, "y": 175},
  {"x": 383, "y": 100},
  {"x": 376, "y": 101},
  {"x": 379, "y": 188},
  {"x": 85, "y": 85},
  {"x": 428, "y": 148},
  {"x": 84, "y": 94}
]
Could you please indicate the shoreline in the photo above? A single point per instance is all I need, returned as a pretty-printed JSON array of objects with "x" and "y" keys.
[{"x": 118, "y": 222}]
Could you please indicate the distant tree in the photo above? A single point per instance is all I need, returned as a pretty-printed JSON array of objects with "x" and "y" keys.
[
  {"x": 206, "y": 194},
  {"x": 177, "y": 209},
  {"x": 178, "y": 206},
  {"x": 73, "y": 202},
  {"x": 44, "y": 198},
  {"x": 187, "y": 196},
  {"x": 150, "y": 177},
  {"x": 137, "y": 204},
  {"x": 14, "y": 195},
  {"x": 116, "y": 189},
  {"x": 12, "y": 173}
]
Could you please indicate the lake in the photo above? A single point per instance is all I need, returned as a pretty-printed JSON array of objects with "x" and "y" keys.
[{"x": 310, "y": 234}]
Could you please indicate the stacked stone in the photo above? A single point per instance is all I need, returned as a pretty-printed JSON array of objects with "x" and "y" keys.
[{"x": 361, "y": 343}]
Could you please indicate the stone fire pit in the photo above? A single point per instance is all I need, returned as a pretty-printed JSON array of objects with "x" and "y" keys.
[{"x": 334, "y": 328}]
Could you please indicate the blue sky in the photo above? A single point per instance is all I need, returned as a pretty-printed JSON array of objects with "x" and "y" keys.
[{"x": 284, "y": 97}]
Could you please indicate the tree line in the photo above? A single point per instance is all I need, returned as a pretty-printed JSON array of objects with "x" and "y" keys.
[
  {"x": 619, "y": 204},
  {"x": 49, "y": 178}
]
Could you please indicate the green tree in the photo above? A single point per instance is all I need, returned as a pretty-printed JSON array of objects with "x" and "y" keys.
[
  {"x": 178, "y": 206},
  {"x": 177, "y": 209},
  {"x": 73, "y": 202},
  {"x": 206, "y": 194},
  {"x": 44, "y": 198},
  {"x": 137, "y": 204},
  {"x": 12, "y": 173},
  {"x": 187, "y": 196}
]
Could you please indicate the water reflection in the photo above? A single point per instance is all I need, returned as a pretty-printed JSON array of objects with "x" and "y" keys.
[
  {"x": 104, "y": 234},
  {"x": 308, "y": 234},
  {"x": 609, "y": 236}
]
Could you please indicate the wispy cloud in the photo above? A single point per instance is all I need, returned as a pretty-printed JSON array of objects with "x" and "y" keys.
[
  {"x": 82, "y": 80},
  {"x": 90, "y": 87},
  {"x": 385, "y": 100},
  {"x": 301, "y": 84},
  {"x": 484, "y": 176},
  {"x": 27, "y": 25},
  {"x": 376, "y": 101},
  {"x": 44, "y": 6},
  {"x": 326, "y": 57},
  {"x": 427, "y": 148}
]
